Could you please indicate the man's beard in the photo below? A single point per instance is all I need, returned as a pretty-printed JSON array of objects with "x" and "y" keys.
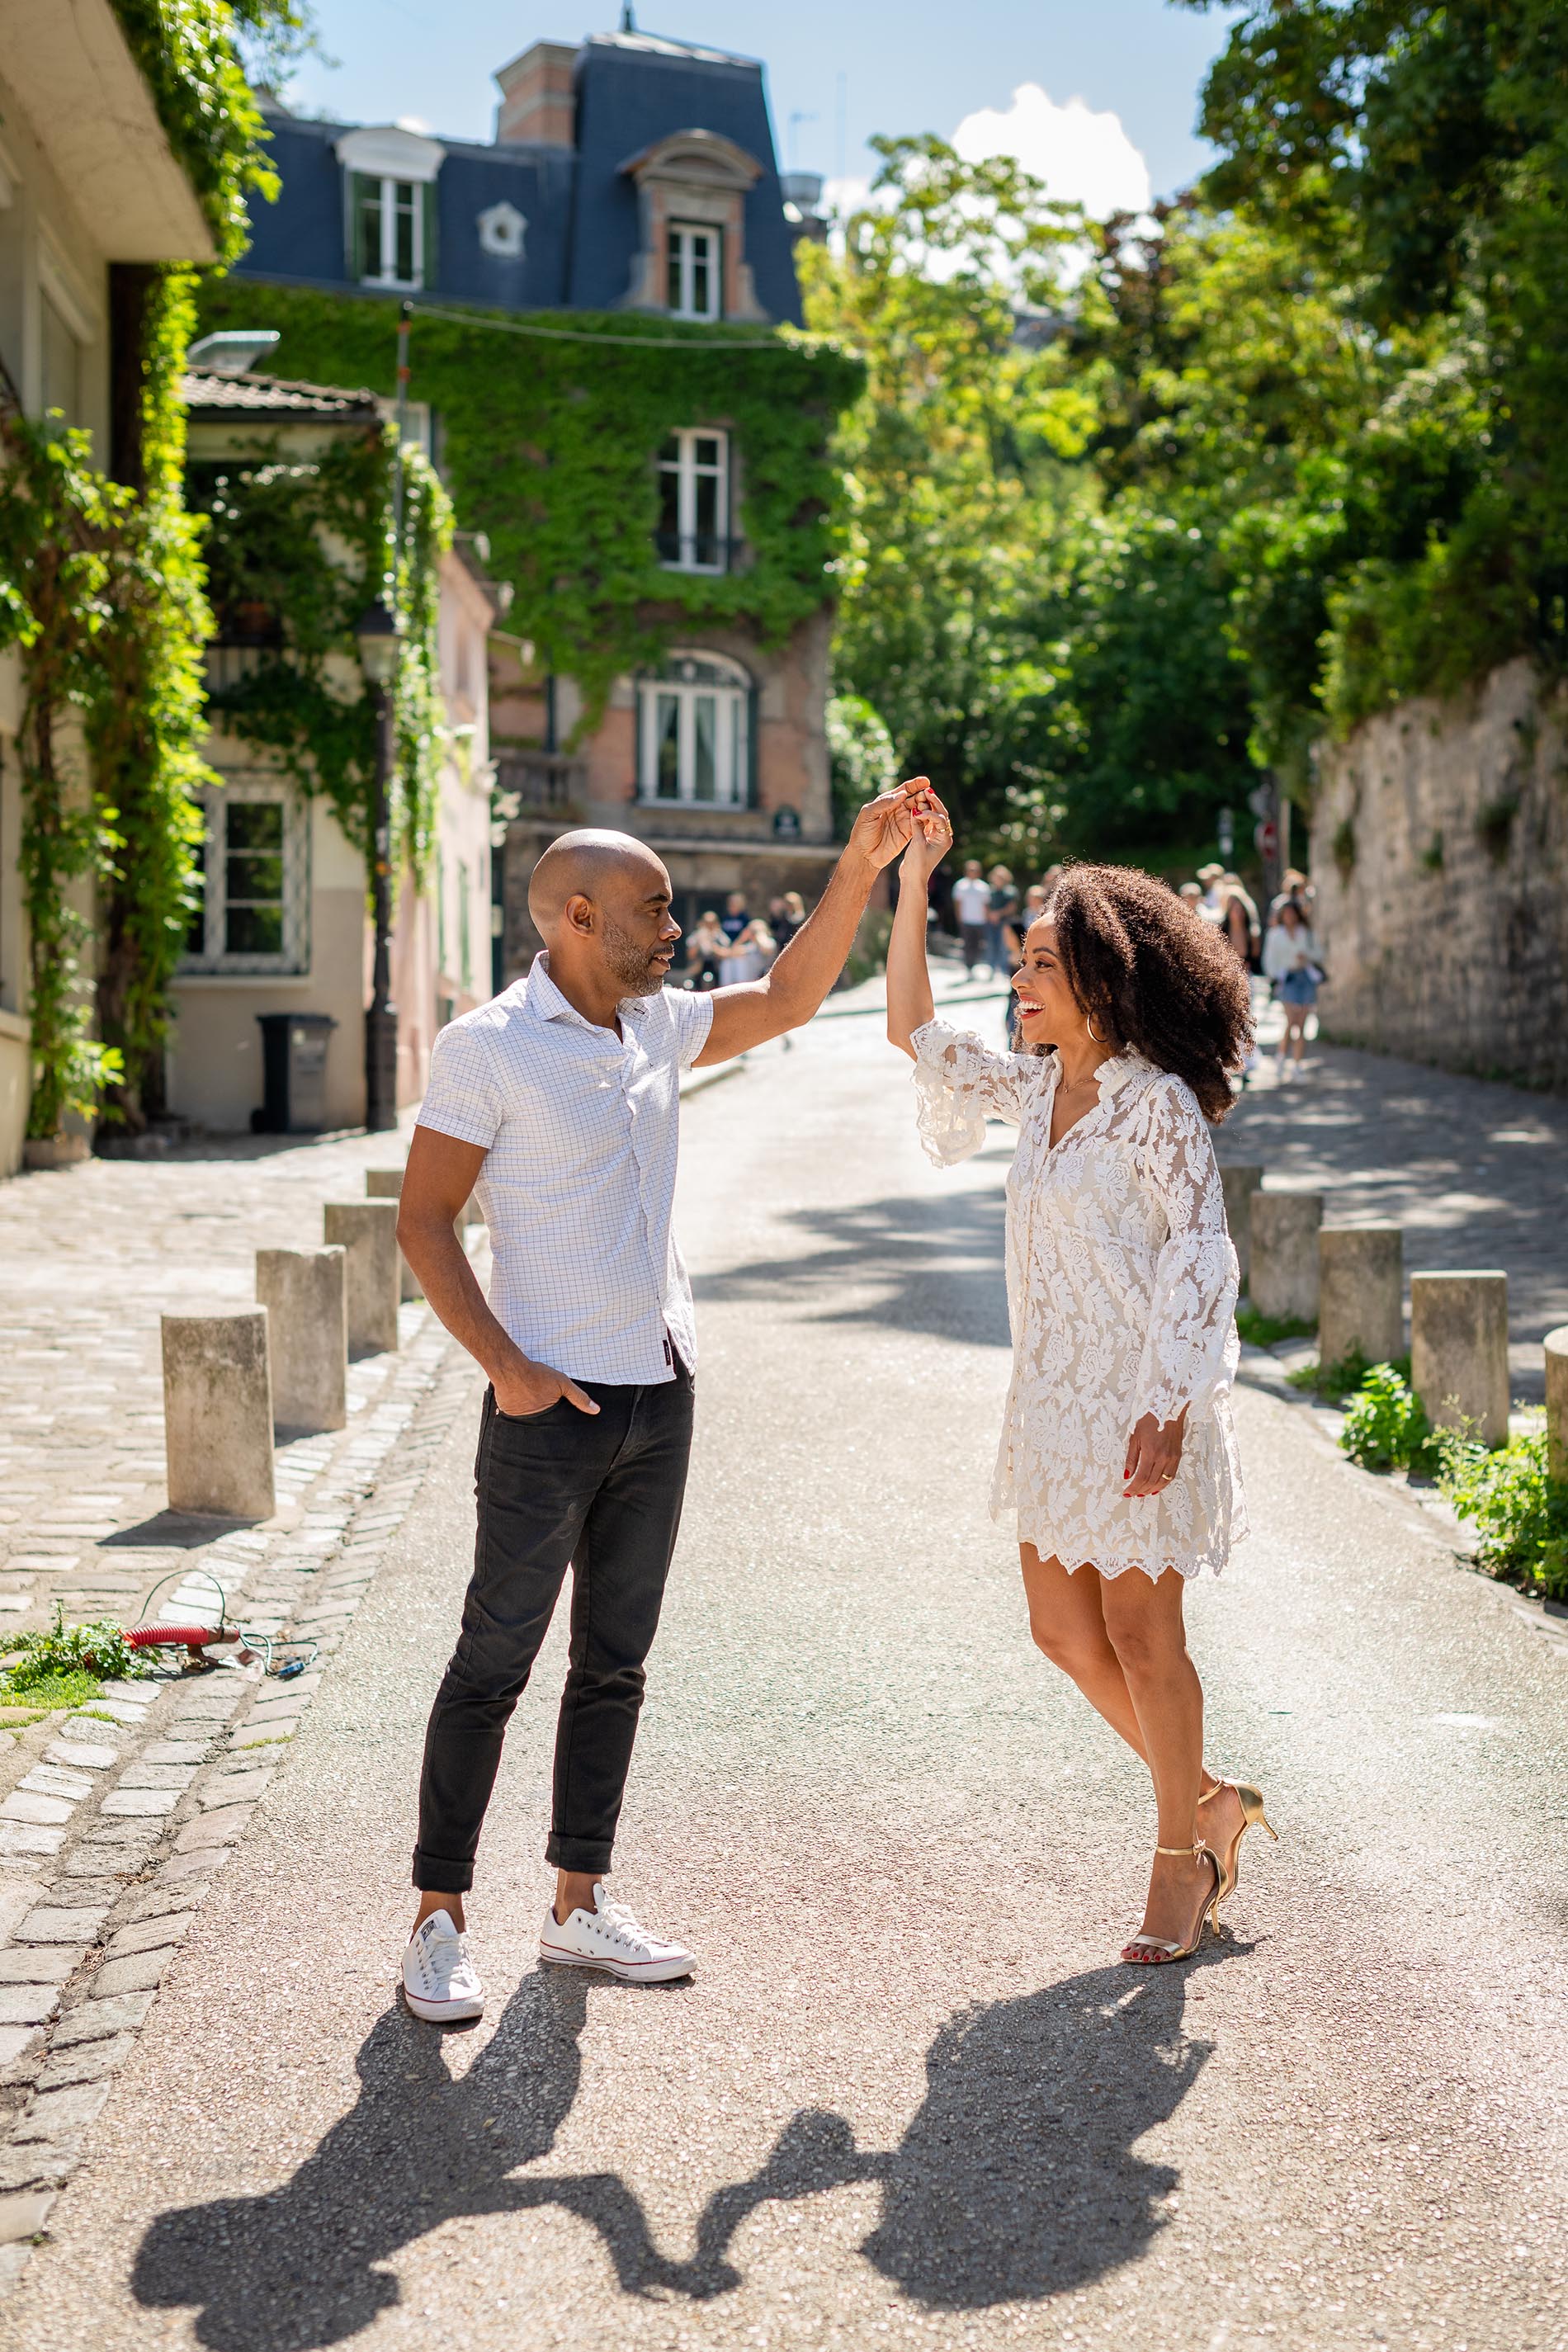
[{"x": 631, "y": 965}]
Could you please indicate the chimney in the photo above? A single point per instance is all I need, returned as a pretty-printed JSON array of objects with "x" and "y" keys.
[{"x": 537, "y": 102}]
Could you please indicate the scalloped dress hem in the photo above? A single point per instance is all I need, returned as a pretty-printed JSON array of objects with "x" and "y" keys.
[{"x": 1154, "y": 1569}]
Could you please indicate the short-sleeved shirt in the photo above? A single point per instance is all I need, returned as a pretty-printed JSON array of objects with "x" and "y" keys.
[
  {"x": 581, "y": 1132},
  {"x": 972, "y": 898}
]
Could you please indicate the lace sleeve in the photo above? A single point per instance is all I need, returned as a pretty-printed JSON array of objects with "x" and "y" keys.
[
  {"x": 1189, "y": 1354},
  {"x": 958, "y": 1082}
]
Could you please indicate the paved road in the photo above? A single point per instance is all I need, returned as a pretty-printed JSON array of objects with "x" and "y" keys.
[{"x": 908, "y": 2100}]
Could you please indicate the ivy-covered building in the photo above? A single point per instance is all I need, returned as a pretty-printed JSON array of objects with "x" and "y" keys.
[
  {"x": 597, "y": 367},
  {"x": 93, "y": 199}
]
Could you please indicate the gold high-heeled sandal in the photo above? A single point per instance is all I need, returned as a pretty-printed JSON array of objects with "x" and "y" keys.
[
  {"x": 1160, "y": 1951},
  {"x": 1229, "y": 1862}
]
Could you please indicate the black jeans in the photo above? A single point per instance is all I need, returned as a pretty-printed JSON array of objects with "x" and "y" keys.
[{"x": 602, "y": 1492}]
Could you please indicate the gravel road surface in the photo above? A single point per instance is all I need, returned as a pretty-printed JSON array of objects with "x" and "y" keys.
[{"x": 909, "y": 2100}]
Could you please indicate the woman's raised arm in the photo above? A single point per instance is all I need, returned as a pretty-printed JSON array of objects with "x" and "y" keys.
[{"x": 910, "y": 1001}]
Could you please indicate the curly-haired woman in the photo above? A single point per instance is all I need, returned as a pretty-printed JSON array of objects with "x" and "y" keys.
[{"x": 1118, "y": 1451}]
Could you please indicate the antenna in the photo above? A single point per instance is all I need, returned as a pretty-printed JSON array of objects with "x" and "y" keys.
[
  {"x": 628, "y": 22},
  {"x": 796, "y": 117},
  {"x": 840, "y": 100}
]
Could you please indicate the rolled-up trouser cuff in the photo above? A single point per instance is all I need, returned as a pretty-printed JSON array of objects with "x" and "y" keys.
[
  {"x": 433, "y": 1875},
  {"x": 577, "y": 1854}
]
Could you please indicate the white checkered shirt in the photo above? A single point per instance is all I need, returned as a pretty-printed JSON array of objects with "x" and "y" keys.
[{"x": 581, "y": 1130}]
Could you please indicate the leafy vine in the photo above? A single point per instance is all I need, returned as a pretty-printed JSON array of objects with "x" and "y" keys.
[
  {"x": 186, "y": 51},
  {"x": 298, "y": 546},
  {"x": 551, "y": 450}
]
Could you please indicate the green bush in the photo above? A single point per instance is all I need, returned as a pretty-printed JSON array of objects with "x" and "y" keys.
[
  {"x": 1263, "y": 1330},
  {"x": 1386, "y": 1428},
  {"x": 1520, "y": 1512},
  {"x": 76, "y": 1657}
]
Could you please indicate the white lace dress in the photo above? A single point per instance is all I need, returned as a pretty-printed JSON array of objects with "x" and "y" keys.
[{"x": 1121, "y": 1288}]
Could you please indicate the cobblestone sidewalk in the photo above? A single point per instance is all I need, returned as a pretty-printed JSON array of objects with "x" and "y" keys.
[{"x": 112, "y": 1820}]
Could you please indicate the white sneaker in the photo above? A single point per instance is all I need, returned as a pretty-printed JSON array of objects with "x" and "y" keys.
[
  {"x": 440, "y": 1982},
  {"x": 609, "y": 1937}
]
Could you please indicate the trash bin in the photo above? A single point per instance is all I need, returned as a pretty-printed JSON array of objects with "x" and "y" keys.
[{"x": 294, "y": 1073}]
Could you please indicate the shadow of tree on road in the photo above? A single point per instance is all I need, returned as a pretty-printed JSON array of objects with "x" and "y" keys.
[
  {"x": 1016, "y": 2179},
  {"x": 932, "y": 1264}
]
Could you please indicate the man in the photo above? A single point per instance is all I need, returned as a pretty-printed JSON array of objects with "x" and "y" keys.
[
  {"x": 971, "y": 906},
  {"x": 559, "y": 1102},
  {"x": 735, "y": 915}
]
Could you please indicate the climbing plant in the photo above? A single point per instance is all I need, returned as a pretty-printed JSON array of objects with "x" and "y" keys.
[
  {"x": 551, "y": 448},
  {"x": 298, "y": 546},
  {"x": 186, "y": 50}
]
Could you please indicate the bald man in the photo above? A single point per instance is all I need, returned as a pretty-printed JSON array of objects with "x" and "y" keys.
[{"x": 558, "y": 1103}]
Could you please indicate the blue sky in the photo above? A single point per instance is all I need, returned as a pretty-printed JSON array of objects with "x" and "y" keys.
[{"x": 1134, "y": 65}]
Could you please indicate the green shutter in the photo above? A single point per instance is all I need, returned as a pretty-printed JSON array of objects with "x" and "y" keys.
[
  {"x": 353, "y": 215},
  {"x": 429, "y": 275}
]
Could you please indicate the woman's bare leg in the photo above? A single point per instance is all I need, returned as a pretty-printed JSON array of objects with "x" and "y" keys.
[
  {"x": 1068, "y": 1622},
  {"x": 1143, "y": 1623}
]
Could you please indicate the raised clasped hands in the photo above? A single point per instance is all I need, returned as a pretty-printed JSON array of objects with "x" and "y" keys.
[
  {"x": 885, "y": 826},
  {"x": 931, "y": 830}
]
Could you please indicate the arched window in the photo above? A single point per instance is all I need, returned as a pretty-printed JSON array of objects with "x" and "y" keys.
[{"x": 694, "y": 731}]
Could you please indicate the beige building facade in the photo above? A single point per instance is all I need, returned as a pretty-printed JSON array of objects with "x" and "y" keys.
[{"x": 87, "y": 182}]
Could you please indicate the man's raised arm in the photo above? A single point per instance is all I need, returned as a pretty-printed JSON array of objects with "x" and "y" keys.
[{"x": 760, "y": 1009}]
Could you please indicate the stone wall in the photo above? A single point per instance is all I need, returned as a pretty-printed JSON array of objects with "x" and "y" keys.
[{"x": 1439, "y": 849}]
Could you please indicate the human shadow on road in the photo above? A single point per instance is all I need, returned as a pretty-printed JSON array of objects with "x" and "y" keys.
[
  {"x": 932, "y": 1264},
  {"x": 1016, "y": 2179},
  {"x": 303, "y": 2265}
]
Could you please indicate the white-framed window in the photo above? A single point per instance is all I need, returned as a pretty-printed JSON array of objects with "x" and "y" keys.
[
  {"x": 253, "y": 880},
  {"x": 694, "y": 502},
  {"x": 693, "y": 271},
  {"x": 694, "y": 731},
  {"x": 390, "y": 231}
]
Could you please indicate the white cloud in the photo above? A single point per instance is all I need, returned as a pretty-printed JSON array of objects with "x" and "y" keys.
[{"x": 1083, "y": 158}]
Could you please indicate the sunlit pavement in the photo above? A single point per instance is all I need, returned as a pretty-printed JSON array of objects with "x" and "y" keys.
[{"x": 908, "y": 2100}]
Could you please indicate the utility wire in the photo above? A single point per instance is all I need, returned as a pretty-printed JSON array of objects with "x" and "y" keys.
[{"x": 583, "y": 335}]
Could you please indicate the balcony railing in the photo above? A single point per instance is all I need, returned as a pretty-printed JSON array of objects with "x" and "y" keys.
[
  {"x": 699, "y": 550},
  {"x": 546, "y": 782}
]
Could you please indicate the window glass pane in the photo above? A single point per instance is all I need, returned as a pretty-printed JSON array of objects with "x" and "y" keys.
[
  {"x": 370, "y": 230},
  {"x": 196, "y": 931},
  {"x": 705, "y": 449},
  {"x": 402, "y": 266},
  {"x": 249, "y": 874},
  {"x": 738, "y": 783},
  {"x": 705, "y": 487},
  {"x": 704, "y": 746},
  {"x": 674, "y": 241},
  {"x": 254, "y": 824},
  {"x": 667, "y": 746},
  {"x": 701, "y": 307},
  {"x": 253, "y": 930},
  {"x": 670, "y": 510}
]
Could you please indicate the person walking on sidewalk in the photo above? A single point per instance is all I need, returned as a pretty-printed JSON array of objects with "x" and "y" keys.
[
  {"x": 1118, "y": 1451},
  {"x": 1290, "y": 963},
  {"x": 558, "y": 1103},
  {"x": 971, "y": 906}
]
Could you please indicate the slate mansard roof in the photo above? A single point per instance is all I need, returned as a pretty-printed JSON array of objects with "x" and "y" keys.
[{"x": 581, "y": 206}]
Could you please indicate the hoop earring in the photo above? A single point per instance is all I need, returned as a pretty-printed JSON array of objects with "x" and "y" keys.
[{"x": 1089, "y": 1024}]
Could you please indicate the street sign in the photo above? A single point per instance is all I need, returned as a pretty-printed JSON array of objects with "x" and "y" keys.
[{"x": 1266, "y": 836}]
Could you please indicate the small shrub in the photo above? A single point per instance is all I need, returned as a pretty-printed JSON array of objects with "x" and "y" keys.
[
  {"x": 1264, "y": 1330},
  {"x": 79, "y": 1656},
  {"x": 1432, "y": 855},
  {"x": 1340, "y": 1380},
  {"x": 1520, "y": 1512},
  {"x": 1494, "y": 827},
  {"x": 1342, "y": 848},
  {"x": 1386, "y": 1428}
]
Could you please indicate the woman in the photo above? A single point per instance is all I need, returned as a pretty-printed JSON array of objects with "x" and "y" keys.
[
  {"x": 704, "y": 950},
  {"x": 1002, "y": 917},
  {"x": 748, "y": 955},
  {"x": 1118, "y": 1451},
  {"x": 1290, "y": 961}
]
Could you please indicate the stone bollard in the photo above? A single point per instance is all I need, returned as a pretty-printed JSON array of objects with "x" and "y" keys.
[
  {"x": 305, "y": 1293},
  {"x": 1283, "y": 1276},
  {"x": 1458, "y": 1350},
  {"x": 368, "y": 1231},
  {"x": 386, "y": 1184},
  {"x": 1557, "y": 1401},
  {"x": 217, "y": 1415},
  {"x": 1240, "y": 1178},
  {"x": 1361, "y": 1293}
]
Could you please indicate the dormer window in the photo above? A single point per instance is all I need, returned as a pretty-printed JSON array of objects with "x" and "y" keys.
[
  {"x": 390, "y": 205},
  {"x": 694, "y": 502},
  {"x": 391, "y": 233},
  {"x": 694, "y": 271}
]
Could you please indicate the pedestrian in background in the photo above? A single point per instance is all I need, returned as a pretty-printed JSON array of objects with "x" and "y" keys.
[
  {"x": 704, "y": 947},
  {"x": 1290, "y": 963},
  {"x": 972, "y": 908},
  {"x": 1003, "y": 919},
  {"x": 735, "y": 917},
  {"x": 1239, "y": 920},
  {"x": 1122, "y": 1285},
  {"x": 747, "y": 956},
  {"x": 785, "y": 916}
]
